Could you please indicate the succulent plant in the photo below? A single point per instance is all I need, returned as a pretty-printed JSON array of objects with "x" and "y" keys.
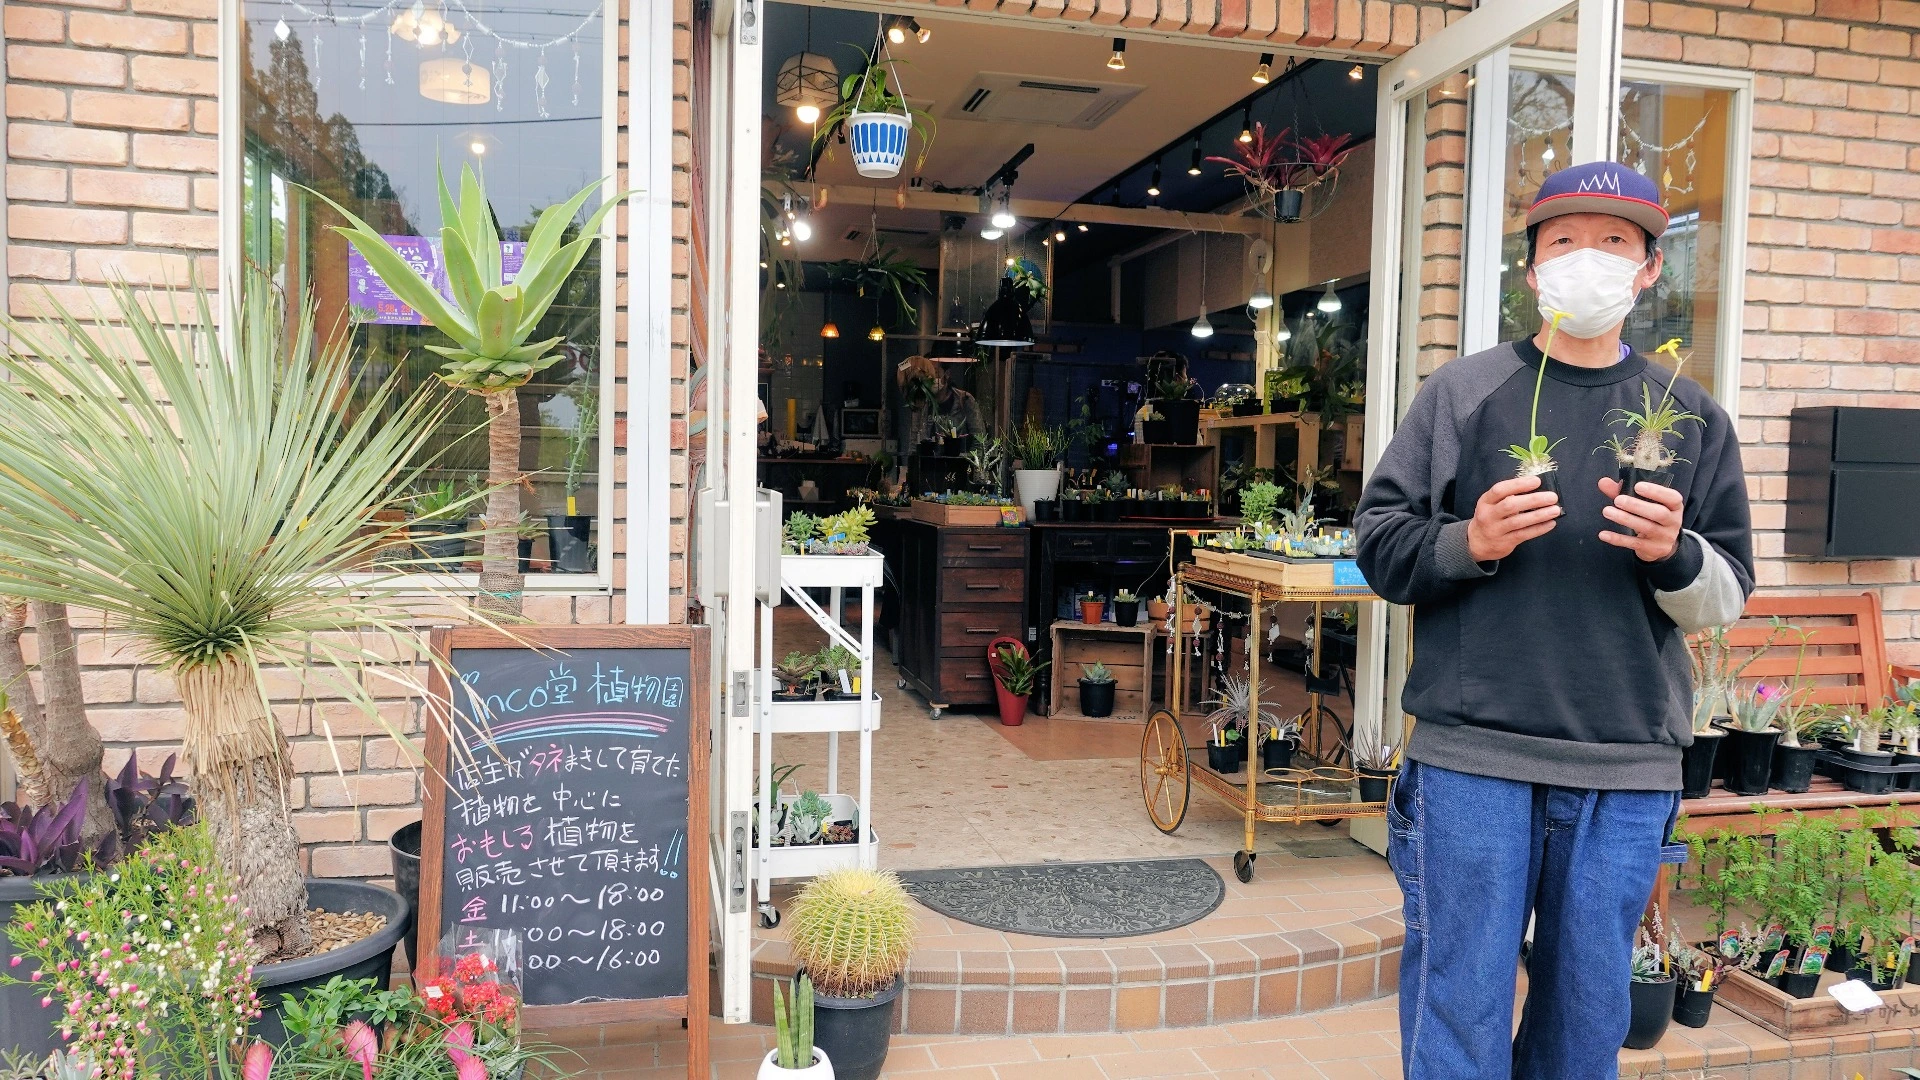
[
  {"x": 852, "y": 931},
  {"x": 797, "y": 670},
  {"x": 793, "y": 1027},
  {"x": 1095, "y": 672},
  {"x": 808, "y": 816}
]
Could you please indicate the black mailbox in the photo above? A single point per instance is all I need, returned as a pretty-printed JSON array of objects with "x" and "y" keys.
[{"x": 1853, "y": 483}]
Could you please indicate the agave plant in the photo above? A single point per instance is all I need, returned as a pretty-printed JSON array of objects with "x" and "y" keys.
[
  {"x": 490, "y": 321},
  {"x": 150, "y": 483}
]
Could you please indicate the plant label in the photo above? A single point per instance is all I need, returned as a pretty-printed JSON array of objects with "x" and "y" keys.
[
  {"x": 1778, "y": 966},
  {"x": 846, "y": 687},
  {"x": 1776, "y": 936},
  {"x": 1730, "y": 943},
  {"x": 1855, "y": 996}
]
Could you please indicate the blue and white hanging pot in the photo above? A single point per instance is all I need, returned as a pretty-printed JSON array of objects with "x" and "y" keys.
[{"x": 879, "y": 141}]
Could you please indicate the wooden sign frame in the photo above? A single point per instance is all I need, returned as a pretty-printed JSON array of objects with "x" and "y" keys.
[{"x": 690, "y": 1007}]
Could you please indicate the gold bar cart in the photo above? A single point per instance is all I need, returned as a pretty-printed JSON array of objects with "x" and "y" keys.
[{"x": 1321, "y": 791}]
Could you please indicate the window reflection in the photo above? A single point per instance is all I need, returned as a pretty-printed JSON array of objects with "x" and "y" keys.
[{"x": 360, "y": 100}]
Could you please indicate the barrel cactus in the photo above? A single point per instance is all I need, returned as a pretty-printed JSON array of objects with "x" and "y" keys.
[{"x": 851, "y": 931}]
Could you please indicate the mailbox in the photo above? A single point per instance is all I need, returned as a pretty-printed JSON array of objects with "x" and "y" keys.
[{"x": 1853, "y": 483}]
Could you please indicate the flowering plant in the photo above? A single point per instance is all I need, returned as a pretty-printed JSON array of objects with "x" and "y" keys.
[
  {"x": 474, "y": 991},
  {"x": 149, "y": 963}
]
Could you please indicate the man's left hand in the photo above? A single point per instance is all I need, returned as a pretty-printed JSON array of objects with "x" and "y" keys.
[{"x": 1653, "y": 513}]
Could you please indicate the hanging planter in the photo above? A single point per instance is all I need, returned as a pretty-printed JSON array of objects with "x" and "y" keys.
[
  {"x": 879, "y": 141},
  {"x": 875, "y": 121},
  {"x": 1287, "y": 203}
]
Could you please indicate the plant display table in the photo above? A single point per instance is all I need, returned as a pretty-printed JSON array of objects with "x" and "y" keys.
[{"x": 1126, "y": 650}]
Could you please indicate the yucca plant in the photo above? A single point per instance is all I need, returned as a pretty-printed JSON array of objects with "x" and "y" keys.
[
  {"x": 489, "y": 321},
  {"x": 852, "y": 931},
  {"x": 214, "y": 503}
]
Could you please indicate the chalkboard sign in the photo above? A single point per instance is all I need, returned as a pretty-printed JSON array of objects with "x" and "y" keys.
[{"x": 569, "y": 807}]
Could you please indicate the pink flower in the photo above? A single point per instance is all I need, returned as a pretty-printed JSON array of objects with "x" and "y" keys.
[{"x": 15, "y": 962}]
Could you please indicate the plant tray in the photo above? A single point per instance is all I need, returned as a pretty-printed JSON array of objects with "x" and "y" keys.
[
  {"x": 1802, "y": 1018},
  {"x": 1865, "y": 779},
  {"x": 1292, "y": 578},
  {"x": 938, "y": 513}
]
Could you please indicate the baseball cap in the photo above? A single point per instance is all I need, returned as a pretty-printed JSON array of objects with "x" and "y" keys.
[{"x": 1600, "y": 187}]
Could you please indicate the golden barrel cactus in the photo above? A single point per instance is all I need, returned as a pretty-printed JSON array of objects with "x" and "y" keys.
[{"x": 852, "y": 931}]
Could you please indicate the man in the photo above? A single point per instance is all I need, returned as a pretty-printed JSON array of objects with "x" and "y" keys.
[
  {"x": 930, "y": 397},
  {"x": 1550, "y": 683}
]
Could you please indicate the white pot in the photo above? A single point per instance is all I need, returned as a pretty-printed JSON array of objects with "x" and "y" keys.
[
  {"x": 879, "y": 142},
  {"x": 821, "y": 1069},
  {"x": 1034, "y": 485}
]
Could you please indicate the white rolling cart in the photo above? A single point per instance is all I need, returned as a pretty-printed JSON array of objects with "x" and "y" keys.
[{"x": 839, "y": 575}]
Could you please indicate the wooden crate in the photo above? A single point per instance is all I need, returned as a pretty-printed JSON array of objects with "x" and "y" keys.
[
  {"x": 1126, "y": 650},
  {"x": 937, "y": 513},
  {"x": 1796, "y": 1018}
]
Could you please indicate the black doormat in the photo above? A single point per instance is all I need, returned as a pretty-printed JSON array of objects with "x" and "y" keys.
[{"x": 1073, "y": 900}]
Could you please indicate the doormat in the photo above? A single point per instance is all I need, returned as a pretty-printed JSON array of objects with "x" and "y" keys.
[{"x": 1073, "y": 900}]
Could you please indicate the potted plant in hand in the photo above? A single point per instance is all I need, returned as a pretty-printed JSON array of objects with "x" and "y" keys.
[
  {"x": 1097, "y": 685},
  {"x": 1646, "y": 455},
  {"x": 798, "y": 673},
  {"x": 1536, "y": 457},
  {"x": 1126, "y": 608},
  {"x": 1750, "y": 741},
  {"x": 851, "y": 931},
  {"x": 794, "y": 1057},
  {"x": 1014, "y": 674},
  {"x": 1653, "y": 986}
]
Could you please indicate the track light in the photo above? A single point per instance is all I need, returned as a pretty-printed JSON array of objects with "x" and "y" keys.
[
  {"x": 1356, "y": 73},
  {"x": 1059, "y": 236},
  {"x": 1263, "y": 74},
  {"x": 897, "y": 29},
  {"x": 1153, "y": 186},
  {"x": 1329, "y": 301},
  {"x": 1246, "y": 123},
  {"x": 1118, "y": 61},
  {"x": 1003, "y": 212},
  {"x": 920, "y": 33},
  {"x": 1083, "y": 227},
  {"x": 1193, "y": 167}
]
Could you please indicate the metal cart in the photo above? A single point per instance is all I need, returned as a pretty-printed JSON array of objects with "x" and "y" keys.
[{"x": 1320, "y": 791}]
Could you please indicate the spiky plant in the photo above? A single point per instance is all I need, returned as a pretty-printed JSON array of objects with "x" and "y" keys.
[
  {"x": 150, "y": 482},
  {"x": 490, "y": 321},
  {"x": 852, "y": 931},
  {"x": 1652, "y": 423},
  {"x": 792, "y": 1027}
]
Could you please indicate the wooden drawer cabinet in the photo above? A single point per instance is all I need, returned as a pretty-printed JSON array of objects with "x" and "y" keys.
[
  {"x": 1080, "y": 545},
  {"x": 964, "y": 680},
  {"x": 960, "y": 588},
  {"x": 982, "y": 585},
  {"x": 978, "y": 547},
  {"x": 969, "y": 631}
]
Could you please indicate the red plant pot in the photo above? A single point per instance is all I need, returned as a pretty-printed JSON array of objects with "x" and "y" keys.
[
  {"x": 1091, "y": 611},
  {"x": 1013, "y": 707}
]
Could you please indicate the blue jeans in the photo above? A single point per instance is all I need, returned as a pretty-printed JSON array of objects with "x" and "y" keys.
[{"x": 1475, "y": 856}]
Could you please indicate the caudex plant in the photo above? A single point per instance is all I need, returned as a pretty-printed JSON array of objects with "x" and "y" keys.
[
  {"x": 1646, "y": 452},
  {"x": 1536, "y": 457}
]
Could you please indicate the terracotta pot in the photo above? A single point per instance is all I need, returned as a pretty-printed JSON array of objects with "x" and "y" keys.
[
  {"x": 1157, "y": 610},
  {"x": 1092, "y": 610}
]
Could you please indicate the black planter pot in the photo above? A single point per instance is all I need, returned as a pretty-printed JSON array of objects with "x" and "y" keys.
[
  {"x": 1911, "y": 781},
  {"x": 1867, "y": 757},
  {"x": 24, "y": 1025},
  {"x": 1183, "y": 420},
  {"x": 404, "y": 846},
  {"x": 1696, "y": 764},
  {"x": 1549, "y": 481},
  {"x": 1126, "y": 612},
  {"x": 855, "y": 1032},
  {"x": 790, "y": 696},
  {"x": 1865, "y": 975},
  {"x": 1793, "y": 768},
  {"x": 1096, "y": 698},
  {"x": 1046, "y": 510},
  {"x": 526, "y": 555},
  {"x": 429, "y": 540},
  {"x": 1800, "y": 985},
  {"x": 1691, "y": 1007},
  {"x": 1373, "y": 784},
  {"x": 1652, "y": 1012},
  {"x": 1073, "y": 510},
  {"x": 1841, "y": 958},
  {"x": 1227, "y": 759},
  {"x": 369, "y": 958},
  {"x": 1155, "y": 431},
  {"x": 1106, "y": 511},
  {"x": 1278, "y": 753},
  {"x": 1629, "y": 476},
  {"x": 1287, "y": 203},
  {"x": 567, "y": 536},
  {"x": 1248, "y": 408},
  {"x": 1749, "y": 760}
]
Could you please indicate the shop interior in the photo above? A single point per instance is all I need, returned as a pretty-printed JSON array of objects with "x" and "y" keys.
[{"x": 1101, "y": 182}]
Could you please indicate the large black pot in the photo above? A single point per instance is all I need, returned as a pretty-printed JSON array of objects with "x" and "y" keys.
[
  {"x": 1696, "y": 764},
  {"x": 369, "y": 958},
  {"x": 1911, "y": 781},
  {"x": 1227, "y": 759},
  {"x": 1073, "y": 510},
  {"x": 1287, "y": 203},
  {"x": 430, "y": 540},
  {"x": 24, "y": 1025},
  {"x": 1096, "y": 698},
  {"x": 1793, "y": 768},
  {"x": 1126, "y": 612},
  {"x": 1183, "y": 420},
  {"x": 855, "y": 1032},
  {"x": 1652, "y": 1012},
  {"x": 1046, "y": 510},
  {"x": 1278, "y": 753},
  {"x": 404, "y": 846},
  {"x": 525, "y": 548},
  {"x": 1373, "y": 784},
  {"x": 1692, "y": 1007},
  {"x": 567, "y": 536},
  {"x": 1749, "y": 760},
  {"x": 1155, "y": 431}
]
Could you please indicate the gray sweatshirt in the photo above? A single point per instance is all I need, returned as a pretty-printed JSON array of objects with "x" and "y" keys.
[{"x": 1566, "y": 662}]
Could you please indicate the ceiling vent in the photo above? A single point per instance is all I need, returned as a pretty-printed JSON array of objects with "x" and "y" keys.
[{"x": 1023, "y": 99}]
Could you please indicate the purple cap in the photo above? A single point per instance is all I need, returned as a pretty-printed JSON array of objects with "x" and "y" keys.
[{"x": 1600, "y": 187}]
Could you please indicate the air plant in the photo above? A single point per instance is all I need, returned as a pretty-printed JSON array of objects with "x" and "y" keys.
[
  {"x": 1717, "y": 671},
  {"x": 1647, "y": 449},
  {"x": 1536, "y": 457},
  {"x": 1321, "y": 155},
  {"x": 1235, "y": 709},
  {"x": 1756, "y": 706}
]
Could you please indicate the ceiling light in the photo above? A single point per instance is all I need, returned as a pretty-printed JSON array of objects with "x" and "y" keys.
[
  {"x": 1201, "y": 327},
  {"x": 1356, "y": 73},
  {"x": 1153, "y": 186},
  {"x": 453, "y": 81},
  {"x": 1193, "y": 167},
  {"x": 807, "y": 114},
  {"x": 1263, "y": 74},
  {"x": 991, "y": 233},
  {"x": 1261, "y": 299},
  {"x": 1246, "y": 123},
  {"x": 477, "y": 147},
  {"x": 1118, "y": 61},
  {"x": 802, "y": 230},
  {"x": 897, "y": 29},
  {"x": 920, "y": 33},
  {"x": 1060, "y": 236},
  {"x": 1003, "y": 212},
  {"x": 807, "y": 83},
  {"x": 829, "y": 329},
  {"x": 1006, "y": 323},
  {"x": 1329, "y": 301},
  {"x": 420, "y": 24},
  {"x": 1083, "y": 227}
]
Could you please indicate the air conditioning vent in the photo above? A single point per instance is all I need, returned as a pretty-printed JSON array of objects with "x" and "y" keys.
[{"x": 1020, "y": 99}]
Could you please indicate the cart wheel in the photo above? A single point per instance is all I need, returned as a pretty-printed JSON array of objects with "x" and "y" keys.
[
  {"x": 769, "y": 916},
  {"x": 933, "y": 713},
  {"x": 1243, "y": 865},
  {"x": 1163, "y": 771},
  {"x": 899, "y": 684}
]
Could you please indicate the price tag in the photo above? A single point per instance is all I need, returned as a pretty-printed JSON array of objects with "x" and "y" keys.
[{"x": 1855, "y": 996}]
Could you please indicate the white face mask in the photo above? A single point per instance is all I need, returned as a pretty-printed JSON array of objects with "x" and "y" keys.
[{"x": 1593, "y": 289}]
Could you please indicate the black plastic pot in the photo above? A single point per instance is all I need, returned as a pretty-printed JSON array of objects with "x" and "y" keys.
[
  {"x": 1911, "y": 781},
  {"x": 1183, "y": 420},
  {"x": 404, "y": 846},
  {"x": 1073, "y": 510},
  {"x": 1278, "y": 753},
  {"x": 1749, "y": 758},
  {"x": 1793, "y": 768},
  {"x": 791, "y": 696},
  {"x": 1866, "y": 757},
  {"x": 429, "y": 540},
  {"x": 1865, "y": 975},
  {"x": 567, "y": 536},
  {"x": 1696, "y": 764},
  {"x": 1800, "y": 985},
  {"x": 1096, "y": 698},
  {"x": 24, "y": 1025},
  {"x": 1227, "y": 759},
  {"x": 1630, "y": 476},
  {"x": 1126, "y": 612},
  {"x": 1373, "y": 784},
  {"x": 1106, "y": 511},
  {"x": 1691, "y": 1007},
  {"x": 1046, "y": 510},
  {"x": 1155, "y": 431},
  {"x": 369, "y": 958},
  {"x": 1653, "y": 1004},
  {"x": 1248, "y": 408},
  {"x": 1287, "y": 203},
  {"x": 1549, "y": 481},
  {"x": 526, "y": 555},
  {"x": 855, "y": 1032}
]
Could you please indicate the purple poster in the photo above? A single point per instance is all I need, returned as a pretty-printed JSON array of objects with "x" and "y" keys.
[{"x": 373, "y": 302}]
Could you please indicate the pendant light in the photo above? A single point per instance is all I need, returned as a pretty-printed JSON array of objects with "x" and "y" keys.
[
  {"x": 828, "y": 329},
  {"x": 1118, "y": 61},
  {"x": 1193, "y": 167},
  {"x": 1153, "y": 186},
  {"x": 1261, "y": 254},
  {"x": 807, "y": 82},
  {"x": 878, "y": 333},
  {"x": 1246, "y": 123},
  {"x": 1282, "y": 333},
  {"x": 1329, "y": 300},
  {"x": 1006, "y": 323},
  {"x": 1201, "y": 327},
  {"x": 1263, "y": 73}
]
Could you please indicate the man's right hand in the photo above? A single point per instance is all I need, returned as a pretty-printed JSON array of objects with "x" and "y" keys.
[{"x": 1511, "y": 513}]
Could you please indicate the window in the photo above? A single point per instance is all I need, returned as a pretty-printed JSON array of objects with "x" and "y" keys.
[
  {"x": 359, "y": 100},
  {"x": 1687, "y": 138}
]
